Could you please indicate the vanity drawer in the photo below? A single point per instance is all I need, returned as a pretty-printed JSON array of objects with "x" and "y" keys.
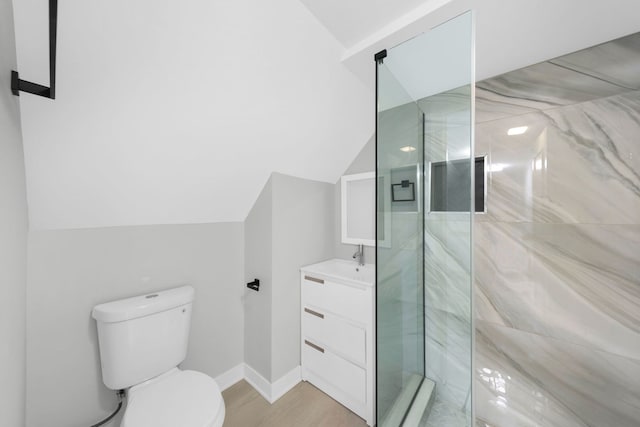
[
  {"x": 341, "y": 374},
  {"x": 345, "y": 300},
  {"x": 341, "y": 336}
]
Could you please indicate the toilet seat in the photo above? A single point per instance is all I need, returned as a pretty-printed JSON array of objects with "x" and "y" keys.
[{"x": 176, "y": 398}]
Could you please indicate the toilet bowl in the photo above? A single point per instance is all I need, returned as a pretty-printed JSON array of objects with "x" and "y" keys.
[
  {"x": 142, "y": 341},
  {"x": 177, "y": 398}
]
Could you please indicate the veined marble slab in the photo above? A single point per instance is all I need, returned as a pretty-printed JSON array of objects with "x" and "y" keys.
[
  {"x": 446, "y": 414},
  {"x": 448, "y": 356},
  {"x": 448, "y": 263},
  {"x": 494, "y": 106},
  {"x": 616, "y": 61},
  {"x": 557, "y": 256},
  {"x": 576, "y": 164},
  {"x": 578, "y": 283},
  {"x": 543, "y": 86},
  {"x": 597, "y": 72},
  {"x": 524, "y": 379}
]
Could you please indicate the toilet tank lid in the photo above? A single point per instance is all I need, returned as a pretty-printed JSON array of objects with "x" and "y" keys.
[{"x": 142, "y": 305}]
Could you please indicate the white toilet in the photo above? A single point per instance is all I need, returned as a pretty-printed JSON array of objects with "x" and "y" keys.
[{"x": 142, "y": 341}]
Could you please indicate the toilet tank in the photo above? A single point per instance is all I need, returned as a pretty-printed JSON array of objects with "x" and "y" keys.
[{"x": 144, "y": 336}]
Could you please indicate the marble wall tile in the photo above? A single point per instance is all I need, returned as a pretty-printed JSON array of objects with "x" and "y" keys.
[
  {"x": 576, "y": 164},
  {"x": 597, "y": 72},
  {"x": 447, "y": 125},
  {"x": 448, "y": 356},
  {"x": 579, "y": 283},
  {"x": 545, "y": 85},
  {"x": 525, "y": 379},
  {"x": 445, "y": 414},
  {"x": 448, "y": 263},
  {"x": 494, "y": 106},
  {"x": 447, "y": 267},
  {"x": 557, "y": 255},
  {"x": 615, "y": 61},
  {"x": 447, "y": 287}
]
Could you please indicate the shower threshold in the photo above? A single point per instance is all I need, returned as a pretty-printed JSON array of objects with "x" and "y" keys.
[{"x": 418, "y": 403}]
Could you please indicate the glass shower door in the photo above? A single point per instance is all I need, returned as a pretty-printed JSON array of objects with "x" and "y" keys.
[
  {"x": 425, "y": 176},
  {"x": 400, "y": 293}
]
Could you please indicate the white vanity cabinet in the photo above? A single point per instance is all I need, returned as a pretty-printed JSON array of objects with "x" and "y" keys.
[{"x": 337, "y": 333}]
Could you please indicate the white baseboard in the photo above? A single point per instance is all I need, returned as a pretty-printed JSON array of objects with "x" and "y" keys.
[
  {"x": 257, "y": 381},
  {"x": 272, "y": 391},
  {"x": 230, "y": 377},
  {"x": 285, "y": 383}
]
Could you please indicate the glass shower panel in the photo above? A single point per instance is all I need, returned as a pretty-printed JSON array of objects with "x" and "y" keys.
[
  {"x": 400, "y": 294},
  {"x": 426, "y": 198}
]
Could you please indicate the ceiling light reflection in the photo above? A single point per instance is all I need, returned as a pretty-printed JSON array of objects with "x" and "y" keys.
[
  {"x": 517, "y": 130},
  {"x": 497, "y": 167},
  {"x": 408, "y": 148}
]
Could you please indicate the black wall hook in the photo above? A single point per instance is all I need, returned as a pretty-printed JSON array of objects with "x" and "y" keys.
[
  {"x": 18, "y": 85},
  {"x": 255, "y": 285}
]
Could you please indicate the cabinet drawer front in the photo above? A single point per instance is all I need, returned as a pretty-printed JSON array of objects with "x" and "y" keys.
[
  {"x": 343, "y": 375},
  {"x": 335, "y": 333},
  {"x": 347, "y": 301}
]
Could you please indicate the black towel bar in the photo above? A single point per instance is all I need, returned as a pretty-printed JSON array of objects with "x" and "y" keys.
[{"x": 255, "y": 285}]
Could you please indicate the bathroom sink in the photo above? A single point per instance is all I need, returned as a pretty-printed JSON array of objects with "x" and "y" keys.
[{"x": 346, "y": 270}]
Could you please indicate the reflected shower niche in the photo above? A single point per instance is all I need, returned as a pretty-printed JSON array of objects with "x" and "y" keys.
[{"x": 450, "y": 191}]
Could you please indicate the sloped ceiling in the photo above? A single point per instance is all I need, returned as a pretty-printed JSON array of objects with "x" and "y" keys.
[
  {"x": 178, "y": 111},
  {"x": 508, "y": 34},
  {"x": 351, "y": 21}
]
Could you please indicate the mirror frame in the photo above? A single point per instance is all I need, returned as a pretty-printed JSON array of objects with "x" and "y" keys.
[{"x": 344, "y": 181}]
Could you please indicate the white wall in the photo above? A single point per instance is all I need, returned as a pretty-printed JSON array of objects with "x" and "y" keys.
[
  {"x": 338, "y": 16},
  {"x": 169, "y": 112},
  {"x": 302, "y": 234},
  {"x": 13, "y": 235},
  {"x": 258, "y": 257},
  {"x": 290, "y": 225},
  {"x": 70, "y": 271}
]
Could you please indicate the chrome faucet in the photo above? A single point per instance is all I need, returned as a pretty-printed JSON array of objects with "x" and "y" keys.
[{"x": 360, "y": 255}]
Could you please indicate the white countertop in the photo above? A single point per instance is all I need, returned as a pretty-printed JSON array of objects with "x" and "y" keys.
[{"x": 341, "y": 269}]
